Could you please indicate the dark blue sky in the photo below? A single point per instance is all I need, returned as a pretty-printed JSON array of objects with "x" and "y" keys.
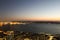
[{"x": 29, "y": 10}]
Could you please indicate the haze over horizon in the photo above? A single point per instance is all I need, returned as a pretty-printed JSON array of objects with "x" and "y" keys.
[{"x": 32, "y": 10}]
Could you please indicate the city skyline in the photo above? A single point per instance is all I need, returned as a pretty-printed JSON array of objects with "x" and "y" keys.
[{"x": 30, "y": 10}]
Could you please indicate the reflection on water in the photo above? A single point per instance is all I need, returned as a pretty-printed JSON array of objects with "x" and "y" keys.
[
  {"x": 30, "y": 31},
  {"x": 32, "y": 27}
]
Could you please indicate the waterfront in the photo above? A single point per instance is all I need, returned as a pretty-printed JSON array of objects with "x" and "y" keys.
[
  {"x": 30, "y": 31},
  {"x": 33, "y": 27}
]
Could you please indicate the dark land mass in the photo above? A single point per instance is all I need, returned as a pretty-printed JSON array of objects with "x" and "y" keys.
[{"x": 55, "y": 22}]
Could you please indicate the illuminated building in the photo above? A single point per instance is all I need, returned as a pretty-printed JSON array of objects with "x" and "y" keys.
[
  {"x": 2, "y": 36},
  {"x": 10, "y": 35}
]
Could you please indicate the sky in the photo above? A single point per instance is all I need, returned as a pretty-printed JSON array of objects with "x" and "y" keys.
[{"x": 32, "y": 10}]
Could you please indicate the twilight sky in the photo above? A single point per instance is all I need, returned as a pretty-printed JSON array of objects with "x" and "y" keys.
[{"x": 29, "y": 10}]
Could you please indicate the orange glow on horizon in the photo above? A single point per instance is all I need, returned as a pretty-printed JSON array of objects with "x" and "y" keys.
[
  {"x": 42, "y": 19},
  {"x": 34, "y": 19}
]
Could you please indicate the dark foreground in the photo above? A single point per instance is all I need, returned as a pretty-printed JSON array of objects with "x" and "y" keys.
[{"x": 30, "y": 31}]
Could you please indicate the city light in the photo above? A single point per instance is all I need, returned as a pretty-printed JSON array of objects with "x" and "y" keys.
[{"x": 11, "y": 23}]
